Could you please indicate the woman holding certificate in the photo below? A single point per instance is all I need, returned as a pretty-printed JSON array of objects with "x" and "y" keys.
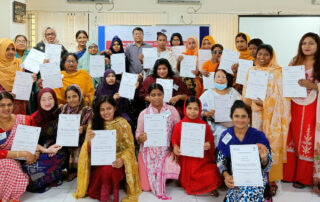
[
  {"x": 212, "y": 65},
  {"x": 270, "y": 110},
  {"x": 303, "y": 149},
  {"x": 156, "y": 163},
  {"x": 207, "y": 42},
  {"x": 101, "y": 181},
  {"x": 13, "y": 181},
  {"x": 163, "y": 70},
  {"x": 217, "y": 103},
  {"x": 242, "y": 134},
  {"x": 198, "y": 175}
]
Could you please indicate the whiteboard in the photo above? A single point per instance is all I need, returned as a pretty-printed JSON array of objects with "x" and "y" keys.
[{"x": 283, "y": 33}]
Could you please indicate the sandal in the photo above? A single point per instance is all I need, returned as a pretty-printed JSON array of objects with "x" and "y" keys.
[
  {"x": 273, "y": 187},
  {"x": 298, "y": 185},
  {"x": 214, "y": 193},
  {"x": 71, "y": 176}
]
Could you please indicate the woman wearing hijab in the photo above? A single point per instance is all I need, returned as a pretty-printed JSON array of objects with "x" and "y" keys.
[{"x": 207, "y": 42}]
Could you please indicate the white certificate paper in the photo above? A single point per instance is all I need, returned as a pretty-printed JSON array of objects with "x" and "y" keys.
[
  {"x": 97, "y": 65},
  {"x": 204, "y": 56},
  {"x": 103, "y": 147},
  {"x": 68, "y": 130},
  {"x": 128, "y": 85},
  {"x": 257, "y": 84},
  {"x": 26, "y": 139},
  {"x": 222, "y": 109},
  {"x": 150, "y": 55},
  {"x": 178, "y": 50},
  {"x": 33, "y": 60},
  {"x": 51, "y": 75},
  {"x": 208, "y": 81},
  {"x": 22, "y": 85},
  {"x": 244, "y": 66},
  {"x": 167, "y": 85},
  {"x": 53, "y": 53},
  {"x": 192, "y": 139},
  {"x": 118, "y": 63},
  {"x": 188, "y": 64},
  {"x": 155, "y": 125},
  {"x": 228, "y": 59},
  {"x": 246, "y": 165},
  {"x": 290, "y": 77}
]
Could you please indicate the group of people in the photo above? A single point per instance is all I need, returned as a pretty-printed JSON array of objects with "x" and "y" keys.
[{"x": 286, "y": 130}]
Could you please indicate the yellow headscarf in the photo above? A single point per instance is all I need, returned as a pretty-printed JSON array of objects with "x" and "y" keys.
[
  {"x": 209, "y": 38},
  {"x": 194, "y": 51},
  {"x": 246, "y": 53},
  {"x": 8, "y": 67}
]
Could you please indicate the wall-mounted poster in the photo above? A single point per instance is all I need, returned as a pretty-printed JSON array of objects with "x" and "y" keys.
[{"x": 19, "y": 12}]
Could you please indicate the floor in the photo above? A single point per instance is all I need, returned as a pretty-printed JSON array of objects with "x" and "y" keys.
[{"x": 64, "y": 192}]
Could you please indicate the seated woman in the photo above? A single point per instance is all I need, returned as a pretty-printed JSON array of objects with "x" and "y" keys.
[
  {"x": 99, "y": 181},
  {"x": 222, "y": 88},
  {"x": 207, "y": 42},
  {"x": 47, "y": 171},
  {"x": 76, "y": 105},
  {"x": 212, "y": 65},
  {"x": 162, "y": 69},
  {"x": 240, "y": 134},
  {"x": 13, "y": 182},
  {"x": 198, "y": 175},
  {"x": 157, "y": 164}
]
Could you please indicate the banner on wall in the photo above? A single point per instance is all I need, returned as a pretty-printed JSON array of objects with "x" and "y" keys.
[{"x": 124, "y": 32}]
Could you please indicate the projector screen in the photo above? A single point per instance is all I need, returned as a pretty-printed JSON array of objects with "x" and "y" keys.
[{"x": 283, "y": 33}]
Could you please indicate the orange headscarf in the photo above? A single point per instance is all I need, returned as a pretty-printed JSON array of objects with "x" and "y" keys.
[
  {"x": 194, "y": 51},
  {"x": 209, "y": 38},
  {"x": 8, "y": 67},
  {"x": 246, "y": 53}
]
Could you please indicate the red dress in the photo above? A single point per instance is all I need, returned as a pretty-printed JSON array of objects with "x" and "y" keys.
[{"x": 197, "y": 175}]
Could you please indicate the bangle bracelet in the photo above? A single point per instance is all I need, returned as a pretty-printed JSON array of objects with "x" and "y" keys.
[{"x": 17, "y": 154}]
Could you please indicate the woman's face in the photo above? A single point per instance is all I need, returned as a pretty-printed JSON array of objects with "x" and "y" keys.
[
  {"x": 50, "y": 35},
  {"x": 192, "y": 110},
  {"x": 93, "y": 49},
  {"x": 216, "y": 53},
  {"x": 309, "y": 46},
  {"x": 241, "y": 44},
  {"x": 116, "y": 46},
  {"x": 192, "y": 44},
  {"x": 240, "y": 118},
  {"x": 162, "y": 71},
  {"x": 156, "y": 98},
  {"x": 71, "y": 64},
  {"x": 111, "y": 79},
  {"x": 162, "y": 42},
  {"x": 21, "y": 43},
  {"x": 10, "y": 52},
  {"x": 47, "y": 101},
  {"x": 220, "y": 77},
  {"x": 107, "y": 111},
  {"x": 253, "y": 50},
  {"x": 263, "y": 57},
  {"x": 6, "y": 108},
  {"x": 207, "y": 44},
  {"x": 82, "y": 39},
  {"x": 73, "y": 98},
  {"x": 176, "y": 41}
]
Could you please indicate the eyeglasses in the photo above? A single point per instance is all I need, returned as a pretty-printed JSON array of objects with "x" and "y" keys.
[
  {"x": 71, "y": 61},
  {"x": 50, "y": 34},
  {"x": 217, "y": 52},
  {"x": 93, "y": 47},
  {"x": 221, "y": 77},
  {"x": 21, "y": 42}
]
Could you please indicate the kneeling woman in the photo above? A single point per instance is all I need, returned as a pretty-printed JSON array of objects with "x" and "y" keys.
[
  {"x": 198, "y": 175},
  {"x": 157, "y": 164},
  {"x": 242, "y": 134},
  {"x": 99, "y": 180}
]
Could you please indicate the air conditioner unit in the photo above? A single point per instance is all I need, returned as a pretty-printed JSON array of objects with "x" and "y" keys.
[
  {"x": 180, "y": 1},
  {"x": 93, "y": 1}
]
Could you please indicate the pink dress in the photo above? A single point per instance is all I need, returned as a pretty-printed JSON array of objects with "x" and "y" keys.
[{"x": 156, "y": 165}]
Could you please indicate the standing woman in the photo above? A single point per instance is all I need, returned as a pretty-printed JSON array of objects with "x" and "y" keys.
[
  {"x": 13, "y": 181},
  {"x": 272, "y": 116},
  {"x": 213, "y": 64},
  {"x": 303, "y": 149},
  {"x": 76, "y": 105},
  {"x": 101, "y": 181},
  {"x": 157, "y": 164},
  {"x": 253, "y": 46},
  {"x": 176, "y": 40},
  {"x": 207, "y": 42},
  {"x": 82, "y": 38}
]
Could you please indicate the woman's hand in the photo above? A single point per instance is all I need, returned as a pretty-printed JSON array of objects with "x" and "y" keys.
[
  {"x": 234, "y": 68},
  {"x": 174, "y": 157},
  {"x": 258, "y": 102},
  {"x": 116, "y": 96},
  {"x": 263, "y": 152},
  {"x": 207, "y": 146},
  {"x": 81, "y": 130},
  {"x": 107, "y": 61},
  {"x": 205, "y": 73},
  {"x": 46, "y": 61},
  {"x": 90, "y": 136},
  {"x": 141, "y": 56},
  {"x": 39, "y": 83},
  {"x": 30, "y": 158},
  {"x": 142, "y": 137},
  {"x": 13, "y": 95},
  {"x": 308, "y": 84},
  {"x": 180, "y": 58},
  {"x": 209, "y": 113},
  {"x": 53, "y": 149},
  {"x": 174, "y": 99},
  {"x": 34, "y": 77},
  {"x": 228, "y": 180},
  {"x": 195, "y": 72},
  {"x": 140, "y": 77},
  {"x": 176, "y": 150},
  {"x": 118, "y": 163}
]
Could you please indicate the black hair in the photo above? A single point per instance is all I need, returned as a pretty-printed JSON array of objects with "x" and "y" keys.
[
  {"x": 267, "y": 47},
  {"x": 155, "y": 86},
  {"x": 97, "y": 121},
  {"x": 229, "y": 77},
  {"x": 216, "y": 46},
  {"x": 242, "y": 35},
  {"x": 20, "y": 35},
  {"x": 256, "y": 42},
  {"x": 137, "y": 29},
  {"x": 73, "y": 88},
  {"x": 162, "y": 61},
  {"x": 177, "y": 35},
  {"x": 5, "y": 94},
  {"x": 193, "y": 99},
  {"x": 239, "y": 104},
  {"x": 161, "y": 34},
  {"x": 81, "y": 32}
]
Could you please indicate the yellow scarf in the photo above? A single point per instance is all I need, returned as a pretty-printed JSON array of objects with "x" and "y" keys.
[{"x": 246, "y": 53}]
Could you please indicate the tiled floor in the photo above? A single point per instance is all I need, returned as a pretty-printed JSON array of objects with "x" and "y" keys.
[{"x": 64, "y": 192}]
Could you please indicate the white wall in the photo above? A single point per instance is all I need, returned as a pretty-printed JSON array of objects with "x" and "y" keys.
[{"x": 4, "y": 19}]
